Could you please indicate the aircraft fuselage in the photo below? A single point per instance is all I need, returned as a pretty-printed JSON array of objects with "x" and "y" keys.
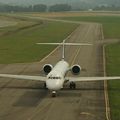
[{"x": 55, "y": 79}]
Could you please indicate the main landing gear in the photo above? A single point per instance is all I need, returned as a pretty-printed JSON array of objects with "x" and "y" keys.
[
  {"x": 44, "y": 85},
  {"x": 72, "y": 85}
]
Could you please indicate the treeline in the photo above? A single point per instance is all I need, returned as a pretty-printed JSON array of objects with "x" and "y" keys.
[
  {"x": 60, "y": 7},
  {"x": 35, "y": 8},
  {"x": 107, "y": 8}
]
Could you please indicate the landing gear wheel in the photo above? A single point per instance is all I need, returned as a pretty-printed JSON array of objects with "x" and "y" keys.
[
  {"x": 53, "y": 93},
  {"x": 72, "y": 85},
  {"x": 45, "y": 85}
]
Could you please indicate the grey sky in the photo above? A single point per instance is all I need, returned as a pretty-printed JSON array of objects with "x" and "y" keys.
[{"x": 28, "y": 2}]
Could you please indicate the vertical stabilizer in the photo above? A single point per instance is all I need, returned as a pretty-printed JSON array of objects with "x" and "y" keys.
[{"x": 63, "y": 50}]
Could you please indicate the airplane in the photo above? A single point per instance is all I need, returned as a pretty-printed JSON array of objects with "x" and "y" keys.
[{"x": 56, "y": 76}]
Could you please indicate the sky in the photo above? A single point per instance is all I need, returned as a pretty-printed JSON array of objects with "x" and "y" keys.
[{"x": 49, "y": 2}]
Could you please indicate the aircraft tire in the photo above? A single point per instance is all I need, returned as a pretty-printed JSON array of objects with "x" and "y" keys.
[
  {"x": 72, "y": 85},
  {"x": 45, "y": 85},
  {"x": 53, "y": 94}
]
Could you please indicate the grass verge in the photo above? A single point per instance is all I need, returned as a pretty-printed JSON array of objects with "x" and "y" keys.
[
  {"x": 20, "y": 46},
  {"x": 18, "y": 24},
  {"x": 113, "y": 68}
]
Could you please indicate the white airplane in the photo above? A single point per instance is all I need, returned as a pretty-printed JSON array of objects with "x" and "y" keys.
[{"x": 56, "y": 76}]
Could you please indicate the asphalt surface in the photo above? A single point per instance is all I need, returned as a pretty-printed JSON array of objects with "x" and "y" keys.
[
  {"x": 4, "y": 23},
  {"x": 27, "y": 100}
]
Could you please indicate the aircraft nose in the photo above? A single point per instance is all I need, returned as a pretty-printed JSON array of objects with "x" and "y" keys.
[{"x": 54, "y": 84}]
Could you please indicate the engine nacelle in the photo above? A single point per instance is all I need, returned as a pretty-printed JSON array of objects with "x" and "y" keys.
[
  {"x": 47, "y": 68},
  {"x": 76, "y": 69}
]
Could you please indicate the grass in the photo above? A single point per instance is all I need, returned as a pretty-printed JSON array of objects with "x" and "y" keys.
[
  {"x": 113, "y": 68},
  {"x": 19, "y": 46},
  {"x": 19, "y": 24}
]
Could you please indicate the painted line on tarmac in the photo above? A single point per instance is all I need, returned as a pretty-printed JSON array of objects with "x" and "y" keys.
[
  {"x": 108, "y": 116},
  {"x": 49, "y": 54},
  {"x": 78, "y": 50},
  {"x": 88, "y": 114},
  {"x": 107, "y": 104}
]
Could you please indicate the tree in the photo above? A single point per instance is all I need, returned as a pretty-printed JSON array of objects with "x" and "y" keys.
[
  {"x": 11, "y": 8},
  {"x": 60, "y": 7},
  {"x": 39, "y": 8}
]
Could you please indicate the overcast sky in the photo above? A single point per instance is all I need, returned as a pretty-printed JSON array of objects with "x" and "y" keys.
[{"x": 28, "y": 2}]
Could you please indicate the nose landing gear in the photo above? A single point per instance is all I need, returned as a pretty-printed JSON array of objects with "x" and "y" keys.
[{"x": 53, "y": 94}]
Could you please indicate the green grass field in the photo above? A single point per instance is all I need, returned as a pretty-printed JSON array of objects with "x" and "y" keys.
[
  {"x": 20, "y": 24},
  {"x": 19, "y": 45},
  {"x": 111, "y": 29},
  {"x": 113, "y": 68}
]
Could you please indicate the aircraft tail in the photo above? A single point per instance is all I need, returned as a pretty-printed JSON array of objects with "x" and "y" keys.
[{"x": 65, "y": 44}]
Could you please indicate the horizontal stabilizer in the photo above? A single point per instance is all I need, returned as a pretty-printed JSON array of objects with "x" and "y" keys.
[
  {"x": 73, "y": 44},
  {"x": 63, "y": 44}
]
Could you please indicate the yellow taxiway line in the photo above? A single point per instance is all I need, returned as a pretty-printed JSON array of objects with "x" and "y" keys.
[{"x": 107, "y": 104}]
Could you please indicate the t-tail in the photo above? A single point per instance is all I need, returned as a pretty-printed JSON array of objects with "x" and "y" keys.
[{"x": 63, "y": 44}]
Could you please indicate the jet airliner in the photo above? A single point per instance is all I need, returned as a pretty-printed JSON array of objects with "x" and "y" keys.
[{"x": 56, "y": 76}]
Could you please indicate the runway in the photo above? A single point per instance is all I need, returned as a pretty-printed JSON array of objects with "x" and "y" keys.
[{"x": 27, "y": 100}]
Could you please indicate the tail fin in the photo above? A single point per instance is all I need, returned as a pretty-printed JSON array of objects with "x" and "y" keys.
[{"x": 65, "y": 44}]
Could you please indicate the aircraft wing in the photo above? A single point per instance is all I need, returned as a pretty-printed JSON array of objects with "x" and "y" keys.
[
  {"x": 24, "y": 77},
  {"x": 88, "y": 79}
]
